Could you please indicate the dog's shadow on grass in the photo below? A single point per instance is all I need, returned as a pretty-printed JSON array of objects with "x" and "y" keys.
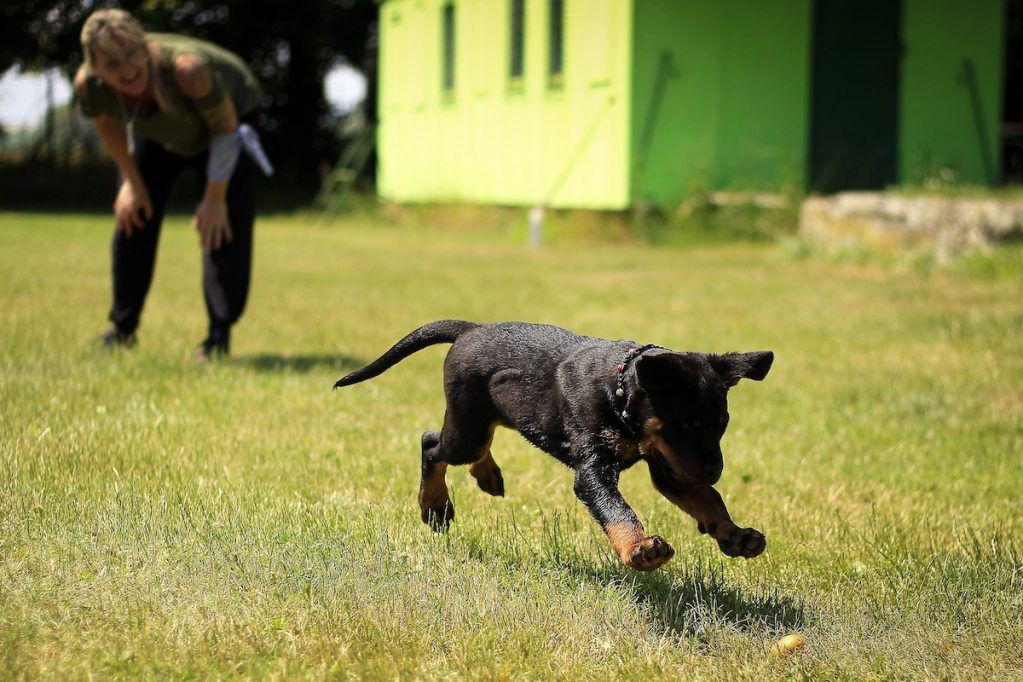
[
  {"x": 301, "y": 364},
  {"x": 689, "y": 598},
  {"x": 684, "y": 600},
  {"x": 690, "y": 603},
  {"x": 702, "y": 596}
]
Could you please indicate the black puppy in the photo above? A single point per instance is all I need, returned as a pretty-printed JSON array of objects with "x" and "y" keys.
[{"x": 597, "y": 405}]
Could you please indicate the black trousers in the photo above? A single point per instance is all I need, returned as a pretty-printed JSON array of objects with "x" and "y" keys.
[{"x": 225, "y": 272}]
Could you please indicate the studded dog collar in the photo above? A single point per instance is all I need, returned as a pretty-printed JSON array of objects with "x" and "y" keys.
[{"x": 619, "y": 401}]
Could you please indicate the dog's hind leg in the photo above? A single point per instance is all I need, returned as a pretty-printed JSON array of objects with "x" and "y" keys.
[
  {"x": 464, "y": 439},
  {"x": 486, "y": 472},
  {"x": 434, "y": 502}
]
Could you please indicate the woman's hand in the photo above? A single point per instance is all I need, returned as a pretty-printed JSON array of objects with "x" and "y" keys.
[
  {"x": 132, "y": 208},
  {"x": 211, "y": 222}
]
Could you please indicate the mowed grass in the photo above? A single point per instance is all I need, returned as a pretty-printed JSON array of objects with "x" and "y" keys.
[{"x": 160, "y": 518}]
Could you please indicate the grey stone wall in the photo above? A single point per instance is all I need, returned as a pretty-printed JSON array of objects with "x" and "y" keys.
[{"x": 948, "y": 226}]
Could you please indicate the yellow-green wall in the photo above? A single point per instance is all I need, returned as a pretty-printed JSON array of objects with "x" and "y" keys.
[{"x": 495, "y": 141}]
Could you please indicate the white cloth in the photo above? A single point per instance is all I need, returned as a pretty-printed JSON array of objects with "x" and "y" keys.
[{"x": 225, "y": 148}]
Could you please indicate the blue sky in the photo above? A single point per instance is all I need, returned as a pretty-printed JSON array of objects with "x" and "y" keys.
[{"x": 23, "y": 96}]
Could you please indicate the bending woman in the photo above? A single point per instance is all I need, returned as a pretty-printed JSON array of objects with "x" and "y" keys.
[{"x": 160, "y": 104}]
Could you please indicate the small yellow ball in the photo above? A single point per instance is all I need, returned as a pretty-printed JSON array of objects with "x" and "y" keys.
[{"x": 788, "y": 645}]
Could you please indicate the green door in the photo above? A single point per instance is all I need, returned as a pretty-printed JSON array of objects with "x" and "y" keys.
[{"x": 854, "y": 100}]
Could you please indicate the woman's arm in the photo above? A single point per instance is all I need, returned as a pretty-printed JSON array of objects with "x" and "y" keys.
[
  {"x": 199, "y": 84},
  {"x": 132, "y": 202}
]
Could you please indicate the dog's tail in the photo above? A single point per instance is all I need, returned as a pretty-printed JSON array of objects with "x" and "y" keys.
[{"x": 442, "y": 331}]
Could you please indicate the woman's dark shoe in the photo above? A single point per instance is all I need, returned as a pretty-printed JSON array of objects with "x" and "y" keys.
[
  {"x": 115, "y": 338},
  {"x": 216, "y": 345}
]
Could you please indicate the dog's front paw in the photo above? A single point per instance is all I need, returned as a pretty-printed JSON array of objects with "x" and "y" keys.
[
  {"x": 649, "y": 554},
  {"x": 438, "y": 517},
  {"x": 744, "y": 542}
]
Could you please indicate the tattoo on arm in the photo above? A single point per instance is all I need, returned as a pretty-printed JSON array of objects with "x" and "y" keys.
[
  {"x": 198, "y": 82},
  {"x": 220, "y": 118}
]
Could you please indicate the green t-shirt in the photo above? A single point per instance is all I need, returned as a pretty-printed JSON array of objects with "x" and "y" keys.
[{"x": 179, "y": 127}]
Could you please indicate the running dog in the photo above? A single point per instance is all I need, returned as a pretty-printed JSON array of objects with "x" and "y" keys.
[{"x": 599, "y": 406}]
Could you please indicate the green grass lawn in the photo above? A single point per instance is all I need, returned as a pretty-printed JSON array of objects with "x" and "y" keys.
[{"x": 160, "y": 518}]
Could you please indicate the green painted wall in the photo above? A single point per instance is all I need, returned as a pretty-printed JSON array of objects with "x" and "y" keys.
[
  {"x": 938, "y": 121},
  {"x": 676, "y": 98},
  {"x": 492, "y": 140},
  {"x": 764, "y": 95},
  {"x": 727, "y": 108}
]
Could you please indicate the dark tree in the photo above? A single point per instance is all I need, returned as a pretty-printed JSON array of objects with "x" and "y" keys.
[{"x": 289, "y": 44}]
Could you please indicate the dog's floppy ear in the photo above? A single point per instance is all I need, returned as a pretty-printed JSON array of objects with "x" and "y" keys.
[
  {"x": 734, "y": 366},
  {"x": 662, "y": 372}
]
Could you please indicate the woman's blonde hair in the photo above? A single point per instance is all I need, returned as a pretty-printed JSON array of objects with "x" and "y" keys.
[{"x": 111, "y": 31}]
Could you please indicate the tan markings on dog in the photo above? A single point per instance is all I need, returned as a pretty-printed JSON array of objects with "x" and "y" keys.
[
  {"x": 483, "y": 466},
  {"x": 652, "y": 425},
  {"x": 651, "y": 438},
  {"x": 624, "y": 537},
  {"x": 705, "y": 505},
  {"x": 433, "y": 490},
  {"x": 653, "y": 444},
  {"x": 627, "y": 449}
]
